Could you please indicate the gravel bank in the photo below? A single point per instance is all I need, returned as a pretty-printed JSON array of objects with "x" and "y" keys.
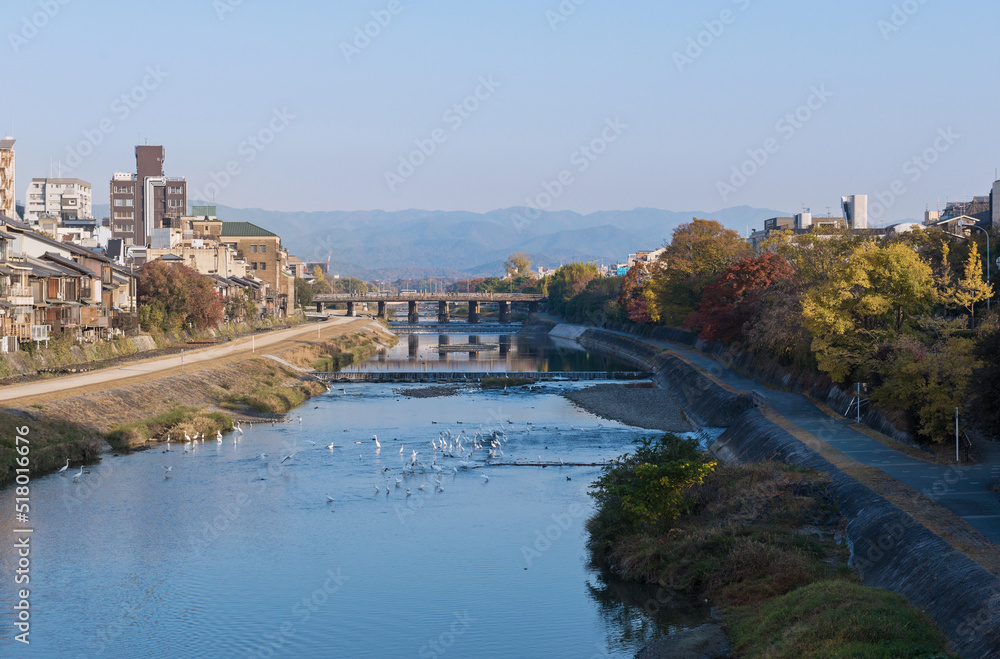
[
  {"x": 429, "y": 392},
  {"x": 654, "y": 409}
]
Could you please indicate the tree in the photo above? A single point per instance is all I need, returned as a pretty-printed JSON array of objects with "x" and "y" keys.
[
  {"x": 927, "y": 382},
  {"x": 303, "y": 292},
  {"x": 635, "y": 294},
  {"x": 569, "y": 281},
  {"x": 172, "y": 296},
  {"x": 697, "y": 254},
  {"x": 517, "y": 263},
  {"x": 970, "y": 288},
  {"x": 727, "y": 304},
  {"x": 865, "y": 303},
  {"x": 318, "y": 273}
]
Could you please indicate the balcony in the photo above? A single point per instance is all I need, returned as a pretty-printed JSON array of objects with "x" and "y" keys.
[{"x": 20, "y": 296}]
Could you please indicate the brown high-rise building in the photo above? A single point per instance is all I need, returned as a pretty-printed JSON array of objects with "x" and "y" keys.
[{"x": 145, "y": 200}]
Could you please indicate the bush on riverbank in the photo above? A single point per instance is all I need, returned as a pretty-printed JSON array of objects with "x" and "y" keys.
[
  {"x": 746, "y": 537},
  {"x": 175, "y": 422}
]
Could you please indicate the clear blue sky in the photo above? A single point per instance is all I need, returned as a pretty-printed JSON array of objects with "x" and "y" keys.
[{"x": 227, "y": 72}]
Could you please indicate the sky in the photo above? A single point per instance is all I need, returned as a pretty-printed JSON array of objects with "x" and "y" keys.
[{"x": 580, "y": 105}]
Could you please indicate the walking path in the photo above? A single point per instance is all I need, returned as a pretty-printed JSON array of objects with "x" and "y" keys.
[
  {"x": 161, "y": 365},
  {"x": 963, "y": 489}
]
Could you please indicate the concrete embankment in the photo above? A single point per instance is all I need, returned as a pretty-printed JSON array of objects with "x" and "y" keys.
[{"x": 888, "y": 547}]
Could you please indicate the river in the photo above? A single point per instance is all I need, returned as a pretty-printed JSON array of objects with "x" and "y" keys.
[{"x": 231, "y": 554}]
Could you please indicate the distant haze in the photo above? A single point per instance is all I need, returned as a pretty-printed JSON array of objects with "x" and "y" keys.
[{"x": 419, "y": 243}]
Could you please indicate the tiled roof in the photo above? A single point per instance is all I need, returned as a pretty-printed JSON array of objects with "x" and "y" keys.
[{"x": 245, "y": 230}]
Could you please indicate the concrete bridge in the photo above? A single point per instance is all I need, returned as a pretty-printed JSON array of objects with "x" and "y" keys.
[
  {"x": 476, "y": 376},
  {"x": 444, "y": 300}
]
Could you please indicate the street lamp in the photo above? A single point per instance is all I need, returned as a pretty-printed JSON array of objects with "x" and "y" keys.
[{"x": 961, "y": 224}]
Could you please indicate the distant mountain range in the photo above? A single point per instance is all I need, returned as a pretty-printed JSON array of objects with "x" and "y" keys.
[{"x": 416, "y": 243}]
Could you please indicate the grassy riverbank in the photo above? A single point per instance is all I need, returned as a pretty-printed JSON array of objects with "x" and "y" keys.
[{"x": 763, "y": 542}]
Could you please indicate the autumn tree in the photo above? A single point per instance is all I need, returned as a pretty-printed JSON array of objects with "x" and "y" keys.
[
  {"x": 636, "y": 295},
  {"x": 864, "y": 303},
  {"x": 970, "y": 288},
  {"x": 814, "y": 255},
  {"x": 569, "y": 281},
  {"x": 172, "y": 296},
  {"x": 517, "y": 264},
  {"x": 727, "y": 304},
  {"x": 698, "y": 253}
]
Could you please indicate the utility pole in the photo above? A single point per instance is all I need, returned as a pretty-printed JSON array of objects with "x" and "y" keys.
[{"x": 958, "y": 459}]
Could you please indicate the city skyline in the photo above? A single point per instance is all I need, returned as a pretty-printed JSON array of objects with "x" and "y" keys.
[{"x": 573, "y": 106}]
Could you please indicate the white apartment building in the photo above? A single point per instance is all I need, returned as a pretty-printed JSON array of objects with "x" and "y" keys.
[
  {"x": 64, "y": 198},
  {"x": 7, "y": 205}
]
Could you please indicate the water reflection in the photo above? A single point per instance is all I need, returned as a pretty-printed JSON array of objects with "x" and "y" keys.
[{"x": 455, "y": 351}]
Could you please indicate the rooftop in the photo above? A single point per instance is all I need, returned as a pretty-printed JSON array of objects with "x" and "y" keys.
[{"x": 245, "y": 230}]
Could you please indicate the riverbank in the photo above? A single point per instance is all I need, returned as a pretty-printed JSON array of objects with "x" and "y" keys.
[
  {"x": 642, "y": 407},
  {"x": 764, "y": 543},
  {"x": 961, "y": 596},
  {"x": 79, "y": 424}
]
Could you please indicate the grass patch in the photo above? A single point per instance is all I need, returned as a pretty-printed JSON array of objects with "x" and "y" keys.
[
  {"x": 51, "y": 444},
  {"x": 836, "y": 619},
  {"x": 176, "y": 422},
  {"x": 503, "y": 383},
  {"x": 279, "y": 400}
]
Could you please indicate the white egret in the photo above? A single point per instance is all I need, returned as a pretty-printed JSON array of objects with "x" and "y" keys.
[
  {"x": 64, "y": 467},
  {"x": 377, "y": 445},
  {"x": 77, "y": 475}
]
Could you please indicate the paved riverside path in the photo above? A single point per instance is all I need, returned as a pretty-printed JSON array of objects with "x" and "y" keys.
[
  {"x": 161, "y": 365},
  {"x": 964, "y": 490}
]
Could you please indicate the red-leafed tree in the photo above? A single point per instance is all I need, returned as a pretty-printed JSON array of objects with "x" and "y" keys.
[
  {"x": 633, "y": 298},
  {"x": 727, "y": 303},
  {"x": 173, "y": 295}
]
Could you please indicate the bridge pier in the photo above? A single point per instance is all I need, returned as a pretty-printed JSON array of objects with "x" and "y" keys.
[
  {"x": 444, "y": 313},
  {"x": 382, "y": 310},
  {"x": 319, "y": 307},
  {"x": 414, "y": 346},
  {"x": 474, "y": 312},
  {"x": 414, "y": 317},
  {"x": 352, "y": 310},
  {"x": 505, "y": 312},
  {"x": 533, "y": 307},
  {"x": 504, "y": 346},
  {"x": 443, "y": 340}
]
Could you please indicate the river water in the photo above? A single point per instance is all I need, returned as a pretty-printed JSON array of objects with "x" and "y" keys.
[{"x": 238, "y": 555}]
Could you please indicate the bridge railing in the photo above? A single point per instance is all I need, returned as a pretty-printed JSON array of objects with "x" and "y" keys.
[{"x": 428, "y": 297}]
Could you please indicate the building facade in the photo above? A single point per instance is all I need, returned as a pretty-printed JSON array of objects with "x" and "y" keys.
[
  {"x": 64, "y": 198},
  {"x": 8, "y": 206},
  {"x": 146, "y": 200}
]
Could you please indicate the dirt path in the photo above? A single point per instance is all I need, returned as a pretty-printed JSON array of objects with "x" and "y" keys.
[{"x": 193, "y": 361}]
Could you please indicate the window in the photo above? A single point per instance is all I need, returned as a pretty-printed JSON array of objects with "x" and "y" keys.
[
  {"x": 174, "y": 203},
  {"x": 263, "y": 265},
  {"x": 123, "y": 189},
  {"x": 124, "y": 215},
  {"x": 253, "y": 249},
  {"x": 263, "y": 249},
  {"x": 253, "y": 265},
  {"x": 127, "y": 203},
  {"x": 174, "y": 190}
]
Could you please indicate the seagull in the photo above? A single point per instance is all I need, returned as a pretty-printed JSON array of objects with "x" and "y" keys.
[
  {"x": 329, "y": 499},
  {"x": 262, "y": 457},
  {"x": 408, "y": 493},
  {"x": 486, "y": 479},
  {"x": 65, "y": 467},
  {"x": 286, "y": 459},
  {"x": 398, "y": 481},
  {"x": 166, "y": 472},
  {"x": 309, "y": 441},
  {"x": 330, "y": 446},
  {"x": 377, "y": 490}
]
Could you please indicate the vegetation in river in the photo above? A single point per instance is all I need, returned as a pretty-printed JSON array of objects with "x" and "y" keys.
[
  {"x": 752, "y": 539},
  {"x": 176, "y": 422},
  {"x": 50, "y": 444}
]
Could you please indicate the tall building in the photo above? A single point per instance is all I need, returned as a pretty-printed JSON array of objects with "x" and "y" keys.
[
  {"x": 146, "y": 200},
  {"x": 856, "y": 211},
  {"x": 65, "y": 198},
  {"x": 7, "y": 203}
]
